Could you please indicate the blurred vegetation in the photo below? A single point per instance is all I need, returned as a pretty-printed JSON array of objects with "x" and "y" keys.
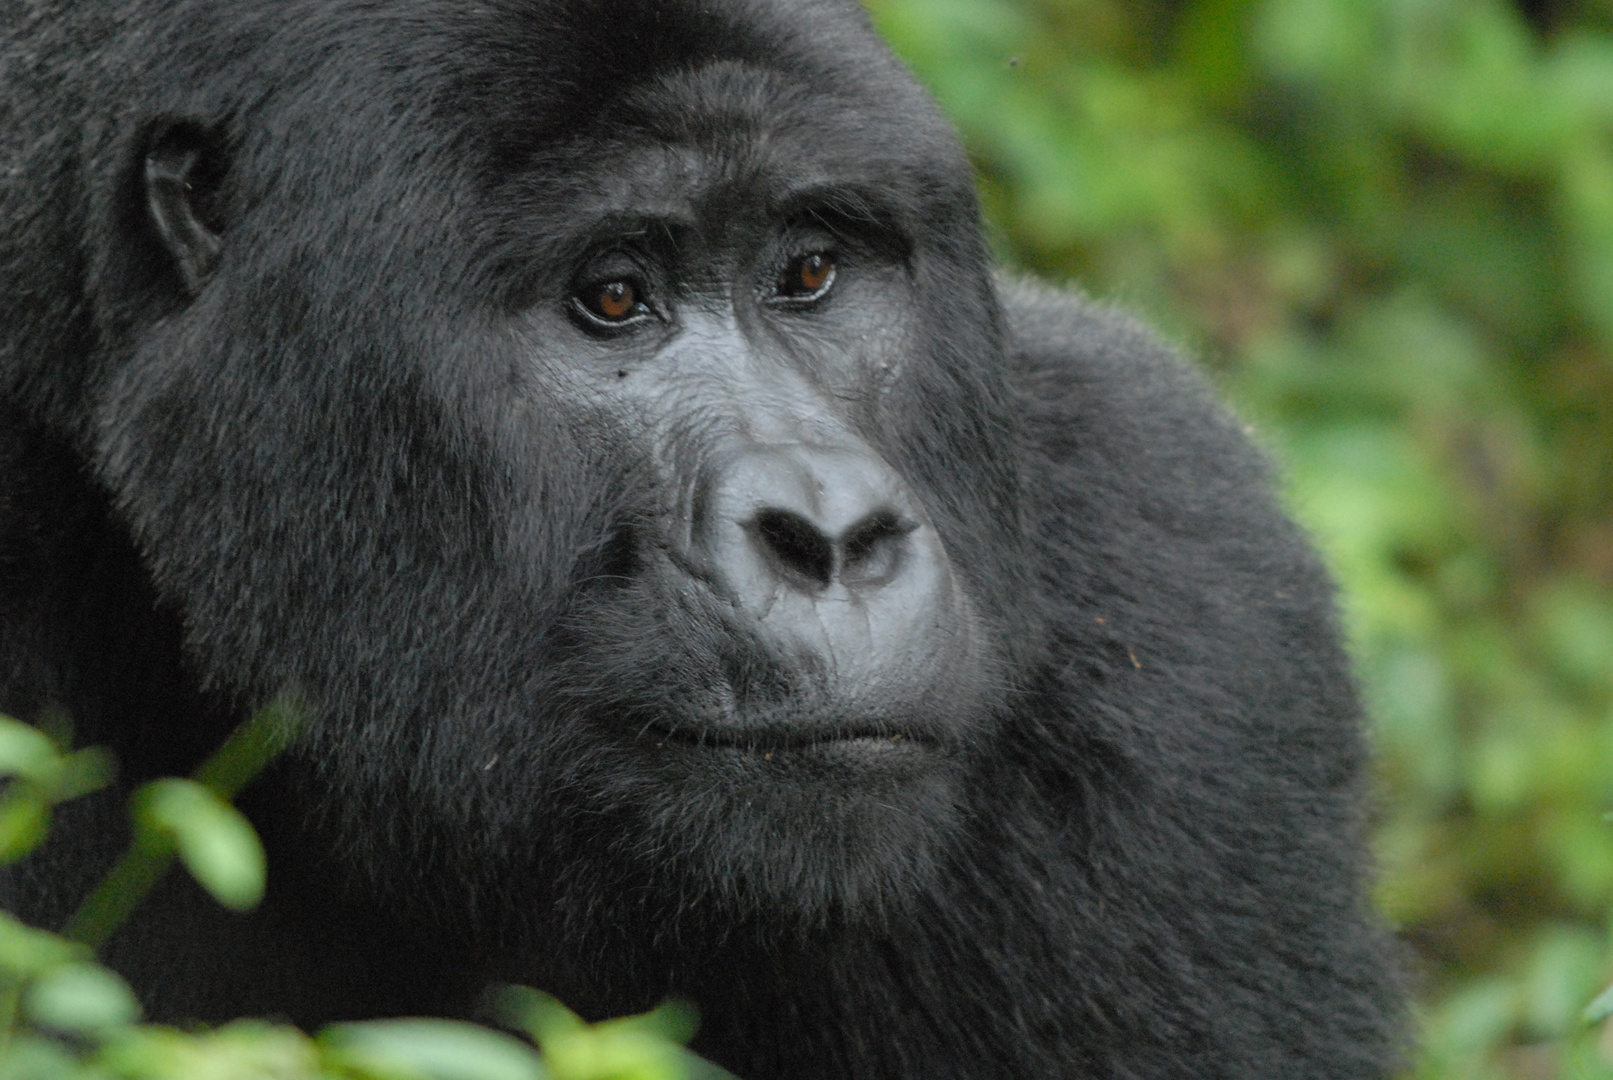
[
  {"x": 65, "y": 1017},
  {"x": 1386, "y": 226}
]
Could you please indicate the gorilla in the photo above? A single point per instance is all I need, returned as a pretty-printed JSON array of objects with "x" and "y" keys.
[{"x": 704, "y": 576}]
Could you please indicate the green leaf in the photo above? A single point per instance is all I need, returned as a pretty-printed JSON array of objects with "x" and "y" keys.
[
  {"x": 605, "y": 1052},
  {"x": 26, "y": 752},
  {"x": 35, "y": 1057},
  {"x": 27, "y": 952},
  {"x": 87, "y": 770},
  {"x": 675, "y": 1021},
  {"x": 243, "y": 1050},
  {"x": 540, "y": 1015},
  {"x": 215, "y": 841},
  {"x": 1600, "y": 1008},
  {"x": 1562, "y": 971},
  {"x": 84, "y": 998},
  {"x": 643, "y": 1047},
  {"x": 24, "y": 818},
  {"x": 1327, "y": 41},
  {"x": 431, "y": 1049}
]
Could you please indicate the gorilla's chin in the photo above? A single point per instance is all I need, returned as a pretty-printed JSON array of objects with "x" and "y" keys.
[
  {"x": 749, "y": 783},
  {"x": 837, "y": 830}
]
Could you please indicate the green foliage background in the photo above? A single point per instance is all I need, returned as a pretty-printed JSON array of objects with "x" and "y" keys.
[{"x": 1386, "y": 226}]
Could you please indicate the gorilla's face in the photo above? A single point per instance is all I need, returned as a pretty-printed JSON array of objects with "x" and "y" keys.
[
  {"x": 797, "y": 665},
  {"x": 643, "y": 506}
]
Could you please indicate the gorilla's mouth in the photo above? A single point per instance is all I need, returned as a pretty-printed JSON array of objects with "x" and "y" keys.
[{"x": 773, "y": 738}]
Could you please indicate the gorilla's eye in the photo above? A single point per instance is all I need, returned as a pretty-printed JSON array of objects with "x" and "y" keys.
[
  {"x": 613, "y": 302},
  {"x": 807, "y": 277}
]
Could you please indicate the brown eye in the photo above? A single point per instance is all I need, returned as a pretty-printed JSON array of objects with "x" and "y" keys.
[
  {"x": 612, "y": 301},
  {"x": 807, "y": 276}
]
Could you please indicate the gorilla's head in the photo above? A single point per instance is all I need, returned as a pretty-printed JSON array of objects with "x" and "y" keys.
[{"x": 617, "y": 464}]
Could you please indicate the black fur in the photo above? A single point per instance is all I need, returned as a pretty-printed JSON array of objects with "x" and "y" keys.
[{"x": 324, "y": 456}]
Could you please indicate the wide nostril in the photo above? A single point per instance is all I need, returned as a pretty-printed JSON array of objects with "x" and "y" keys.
[
  {"x": 871, "y": 550},
  {"x": 796, "y": 544}
]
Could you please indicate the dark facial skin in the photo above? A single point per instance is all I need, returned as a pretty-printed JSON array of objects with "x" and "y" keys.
[{"x": 734, "y": 337}]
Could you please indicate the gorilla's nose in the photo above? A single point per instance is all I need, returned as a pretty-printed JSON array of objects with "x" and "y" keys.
[
  {"x": 825, "y": 546},
  {"x": 866, "y": 554},
  {"x": 807, "y": 519}
]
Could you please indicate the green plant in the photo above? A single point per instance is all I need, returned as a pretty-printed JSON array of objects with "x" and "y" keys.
[{"x": 65, "y": 1017}]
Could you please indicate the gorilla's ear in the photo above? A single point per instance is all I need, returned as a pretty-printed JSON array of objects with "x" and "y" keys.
[{"x": 182, "y": 172}]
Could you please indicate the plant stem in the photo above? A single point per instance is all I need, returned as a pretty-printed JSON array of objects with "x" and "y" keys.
[{"x": 122, "y": 890}]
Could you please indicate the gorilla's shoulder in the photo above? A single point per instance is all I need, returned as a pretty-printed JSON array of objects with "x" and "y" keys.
[
  {"x": 1163, "y": 551},
  {"x": 1091, "y": 379}
]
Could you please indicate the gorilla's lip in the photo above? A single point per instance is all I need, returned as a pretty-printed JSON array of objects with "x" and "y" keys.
[{"x": 772, "y": 738}]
